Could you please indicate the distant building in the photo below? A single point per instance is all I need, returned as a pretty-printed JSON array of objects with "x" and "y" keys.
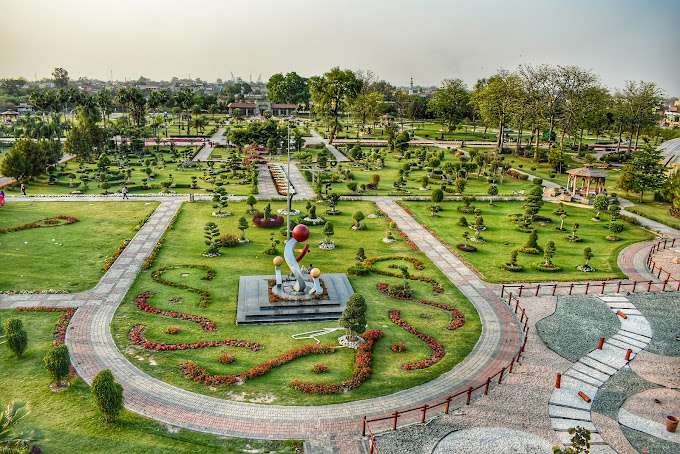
[
  {"x": 259, "y": 107},
  {"x": 9, "y": 116},
  {"x": 672, "y": 115},
  {"x": 24, "y": 108}
]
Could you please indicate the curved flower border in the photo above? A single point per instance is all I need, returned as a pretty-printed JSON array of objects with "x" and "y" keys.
[
  {"x": 436, "y": 347},
  {"x": 136, "y": 336},
  {"x": 142, "y": 303}
]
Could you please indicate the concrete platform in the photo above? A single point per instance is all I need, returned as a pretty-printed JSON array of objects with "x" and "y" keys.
[{"x": 254, "y": 304}]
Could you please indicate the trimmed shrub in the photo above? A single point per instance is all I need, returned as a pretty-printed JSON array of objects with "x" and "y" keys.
[
  {"x": 57, "y": 362},
  {"x": 17, "y": 339},
  {"x": 320, "y": 368},
  {"x": 108, "y": 395}
]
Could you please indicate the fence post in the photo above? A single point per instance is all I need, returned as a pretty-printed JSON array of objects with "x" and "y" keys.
[
  {"x": 502, "y": 290},
  {"x": 603, "y": 284},
  {"x": 678, "y": 289},
  {"x": 523, "y": 315},
  {"x": 571, "y": 288},
  {"x": 469, "y": 395},
  {"x": 394, "y": 424},
  {"x": 516, "y": 305},
  {"x": 587, "y": 287},
  {"x": 658, "y": 275},
  {"x": 500, "y": 377},
  {"x": 448, "y": 402},
  {"x": 521, "y": 287},
  {"x": 486, "y": 388},
  {"x": 538, "y": 289},
  {"x": 618, "y": 287},
  {"x": 363, "y": 427},
  {"x": 634, "y": 285},
  {"x": 422, "y": 419},
  {"x": 649, "y": 286},
  {"x": 512, "y": 364},
  {"x": 554, "y": 289},
  {"x": 372, "y": 446}
]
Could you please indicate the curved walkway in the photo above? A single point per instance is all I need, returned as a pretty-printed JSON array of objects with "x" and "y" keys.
[
  {"x": 567, "y": 409},
  {"x": 92, "y": 349}
]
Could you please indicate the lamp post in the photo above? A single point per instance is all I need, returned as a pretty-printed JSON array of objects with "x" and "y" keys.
[{"x": 288, "y": 194}]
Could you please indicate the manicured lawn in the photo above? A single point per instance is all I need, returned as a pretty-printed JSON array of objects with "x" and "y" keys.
[
  {"x": 656, "y": 211},
  {"x": 63, "y": 257},
  {"x": 70, "y": 422},
  {"x": 541, "y": 169},
  {"x": 476, "y": 185},
  {"x": 502, "y": 237},
  {"x": 165, "y": 166},
  {"x": 184, "y": 246}
]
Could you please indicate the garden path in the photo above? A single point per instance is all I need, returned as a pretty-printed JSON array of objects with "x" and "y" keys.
[{"x": 204, "y": 153}]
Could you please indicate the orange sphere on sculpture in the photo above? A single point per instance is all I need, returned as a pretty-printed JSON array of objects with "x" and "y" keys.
[{"x": 301, "y": 233}]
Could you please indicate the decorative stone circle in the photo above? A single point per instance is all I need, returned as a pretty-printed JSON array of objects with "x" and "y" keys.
[{"x": 350, "y": 342}]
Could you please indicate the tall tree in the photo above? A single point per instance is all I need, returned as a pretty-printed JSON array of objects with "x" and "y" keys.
[
  {"x": 289, "y": 88},
  {"x": 134, "y": 100},
  {"x": 86, "y": 139},
  {"x": 60, "y": 76},
  {"x": 332, "y": 94},
  {"x": 449, "y": 104},
  {"x": 646, "y": 171},
  {"x": 496, "y": 101}
]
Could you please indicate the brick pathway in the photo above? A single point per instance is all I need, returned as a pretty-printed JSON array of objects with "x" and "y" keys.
[{"x": 205, "y": 152}]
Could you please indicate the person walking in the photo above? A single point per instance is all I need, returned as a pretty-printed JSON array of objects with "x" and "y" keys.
[
  {"x": 124, "y": 191},
  {"x": 23, "y": 188}
]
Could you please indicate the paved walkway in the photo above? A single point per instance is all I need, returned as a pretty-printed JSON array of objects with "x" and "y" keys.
[
  {"x": 589, "y": 373},
  {"x": 337, "y": 154},
  {"x": 204, "y": 153}
]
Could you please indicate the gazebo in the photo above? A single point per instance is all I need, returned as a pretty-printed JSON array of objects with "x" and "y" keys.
[{"x": 592, "y": 180}]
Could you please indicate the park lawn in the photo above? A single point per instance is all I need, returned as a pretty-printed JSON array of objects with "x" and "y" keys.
[
  {"x": 70, "y": 422},
  {"x": 184, "y": 245},
  {"x": 170, "y": 167},
  {"x": 657, "y": 211},
  {"x": 65, "y": 257},
  {"x": 390, "y": 173},
  {"x": 502, "y": 237},
  {"x": 541, "y": 169}
]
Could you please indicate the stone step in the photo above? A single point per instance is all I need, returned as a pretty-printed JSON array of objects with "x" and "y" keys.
[
  {"x": 629, "y": 340},
  {"x": 556, "y": 411},
  {"x": 623, "y": 345},
  {"x": 283, "y": 305},
  {"x": 609, "y": 356},
  {"x": 563, "y": 424},
  {"x": 595, "y": 374},
  {"x": 633, "y": 335},
  {"x": 637, "y": 325},
  {"x": 566, "y": 397},
  {"x": 565, "y": 438},
  {"x": 579, "y": 385},
  {"x": 583, "y": 377},
  {"x": 604, "y": 368},
  {"x": 290, "y": 318}
]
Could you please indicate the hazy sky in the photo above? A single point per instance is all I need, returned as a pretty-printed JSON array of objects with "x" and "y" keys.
[{"x": 427, "y": 39}]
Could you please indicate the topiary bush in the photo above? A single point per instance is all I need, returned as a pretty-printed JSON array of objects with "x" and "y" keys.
[
  {"x": 57, "y": 362},
  {"x": 531, "y": 247},
  {"x": 17, "y": 339},
  {"x": 108, "y": 395}
]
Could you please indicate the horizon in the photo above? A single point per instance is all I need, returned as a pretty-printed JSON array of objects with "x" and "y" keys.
[{"x": 100, "y": 41}]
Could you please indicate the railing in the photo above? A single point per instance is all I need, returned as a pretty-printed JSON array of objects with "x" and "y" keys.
[
  {"x": 420, "y": 413},
  {"x": 660, "y": 246}
]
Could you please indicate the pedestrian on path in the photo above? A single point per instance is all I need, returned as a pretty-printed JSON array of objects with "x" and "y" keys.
[
  {"x": 2, "y": 198},
  {"x": 23, "y": 188},
  {"x": 124, "y": 191}
]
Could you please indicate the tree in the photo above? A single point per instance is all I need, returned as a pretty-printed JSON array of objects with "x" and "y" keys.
[
  {"x": 86, "y": 138},
  {"x": 17, "y": 339},
  {"x": 437, "y": 197},
  {"x": 587, "y": 256},
  {"x": 493, "y": 192},
  {"x": 353, "y": 318},
  {"x": 60, "y": 76},
  {"x": 243, "y": 226},
  {"x": 211, "y": 233},
  {"x": 366, "y": 106},
  {"x": 600, "y": 204},
  {"x": 328, "y": 232},
  {"x": 496, "y": 101},
  {"x": 332, "y": 93},
  {"x": 450, "y": 103},
  {"x": 12, "y": 439},
  {"x": 108, "y": 395},
  {"x": 28, "y": 158},
  {"x": 361, "y": 255},
  {"x": 580, "y": 442},
  {"x": 134, "y": 100},
  {"x": 57, "y": 362},
  {"x": 548, "y": 254},
  {"x": 290, "y": 88},
  {"x": 672, "y": 193},
  {"x": 647, "y": 170},
  {"x": 251, "y": 201},
  {"x": 357, "y": 217}
]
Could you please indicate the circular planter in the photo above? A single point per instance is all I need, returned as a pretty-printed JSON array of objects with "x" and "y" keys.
[
  {"x": 513, "y": 268},
  {"x": 388, "y": 240},
  {"x": 548, "y": 269},
  {"x": 327, "y": 246},
  {"x": 467, "y": 248},
  {"x": 223, "y": 214},
  {"x": 586, "y": 268},
  {"x": 671, "y": 423}
]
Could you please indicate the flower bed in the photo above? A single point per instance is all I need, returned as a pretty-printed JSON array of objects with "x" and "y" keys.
[
  {"x": 401, "y": 292},
  {"x": 136, "y": 336},
  {"x": 199, "y": 374},
  {"x": 142, "y": 303},
  {"x": 54, "y": 221},
  {"x": 362, "y": 369},
  {"x": 371, "y": 261},
  {"x": 408, "y": 241},
  {"x": 260, "y": 221},
  {"x": 457, "y": 317},
  {"x": 437, "y": 348},
  {"x": 119, "y": 250},
  {"x": 59, "y": 332},
  {"x": 204, "y": 296}
]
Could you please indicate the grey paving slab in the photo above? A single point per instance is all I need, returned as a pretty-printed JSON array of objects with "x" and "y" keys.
[{"x": 653, "y": 428}]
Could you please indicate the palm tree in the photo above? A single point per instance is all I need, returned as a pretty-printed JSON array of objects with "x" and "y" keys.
[{"x": 13, "y": 440}]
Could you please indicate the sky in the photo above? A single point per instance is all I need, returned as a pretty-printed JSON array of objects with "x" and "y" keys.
[{"x": 428, "y": 40}]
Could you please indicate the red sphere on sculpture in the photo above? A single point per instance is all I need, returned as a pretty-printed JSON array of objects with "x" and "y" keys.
[{"x": 301, "y": 233}]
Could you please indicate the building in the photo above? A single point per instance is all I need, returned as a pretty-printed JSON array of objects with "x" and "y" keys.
[
  {"x": 672, "y": 116},
  {"x": 24, "y": 108},
  {"x": 260, "y": 107},
  {"x": 9, "y": 116}
]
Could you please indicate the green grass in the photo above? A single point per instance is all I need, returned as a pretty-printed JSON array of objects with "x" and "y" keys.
[
  {"x": 70, "y": 422},
  {"x": 542, "y": 169},
  {"x": 656, "y": 211},
  {"x": 184, "y": 245},
  {"x": 502, "y": 237},
  {"x": 170, "y": 165},
  {"x": 390, "y": 173},
  {"x": 68, "y": 257}
]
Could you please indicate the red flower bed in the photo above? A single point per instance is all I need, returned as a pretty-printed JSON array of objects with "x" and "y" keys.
[
  {"x": 199, "y": 374},
  {"x": 408, "y": 241},
  {"x": 438, "y": 351},
  {"x": 398, "y": 347},
  {"x": 362, "y": 370},
  {"x": 108, "y": 263},
  {"x": 136, "y": 336},
  {"x": 142, "y": 303},
  {"x": 457, "y": 317},
  {"x": 48, "y": 222},
  {"x": 260, "y": 221},
  {"x": 59, "y": 332},
  {"x": 226, "y": 358}
]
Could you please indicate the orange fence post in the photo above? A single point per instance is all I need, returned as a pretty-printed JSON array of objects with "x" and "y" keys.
[
  {"x": 486, "y": 388},
  {"x": 469, "y": 395},
  {"x": 422, "y": 419},
  {"x": 363, "y": 427},
  {"x": 394, "y": 424},
  {"x": 600, "y": 343},
  {"x": 558, "y": 380}
]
